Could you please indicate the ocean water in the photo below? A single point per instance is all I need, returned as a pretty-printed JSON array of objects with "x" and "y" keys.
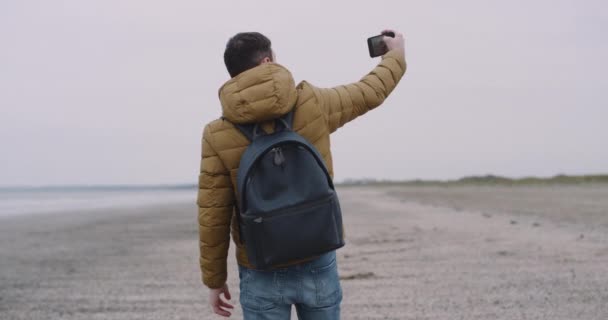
[{"x": 15, "y": 201}]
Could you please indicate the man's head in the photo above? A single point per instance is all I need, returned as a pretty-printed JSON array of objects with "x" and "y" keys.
[{"x": 247, "y": 50}]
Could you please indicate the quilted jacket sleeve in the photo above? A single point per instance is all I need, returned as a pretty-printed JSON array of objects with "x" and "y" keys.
[
  {"x": 345, "y": 103},
  {"x": 215, "y": 206}
]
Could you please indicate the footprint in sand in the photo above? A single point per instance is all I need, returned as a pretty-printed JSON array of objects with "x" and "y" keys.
[
  {"x": 504, "y": 253},
  {"x": 358, "y": 276}
]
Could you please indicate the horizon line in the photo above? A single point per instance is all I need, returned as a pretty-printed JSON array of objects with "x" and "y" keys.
[{"x": 160, "y": 186}]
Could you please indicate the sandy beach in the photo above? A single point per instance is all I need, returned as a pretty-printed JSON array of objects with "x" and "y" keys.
[{"x": 412, "y": 253}]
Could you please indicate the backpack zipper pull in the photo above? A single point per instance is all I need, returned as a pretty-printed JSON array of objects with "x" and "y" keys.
[{"x": 279, "y": 159}]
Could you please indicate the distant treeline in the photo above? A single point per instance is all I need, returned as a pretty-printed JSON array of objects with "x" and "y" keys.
[
  {"x": 487, "y": 180},
  {"x": 472, "y": 180}
]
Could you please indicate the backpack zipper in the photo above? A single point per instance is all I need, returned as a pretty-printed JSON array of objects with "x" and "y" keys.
[{"x": 294, "y": 208}]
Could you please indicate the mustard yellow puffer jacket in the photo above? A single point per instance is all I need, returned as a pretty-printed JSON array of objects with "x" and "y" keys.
[{"x": 261, "y": 94}]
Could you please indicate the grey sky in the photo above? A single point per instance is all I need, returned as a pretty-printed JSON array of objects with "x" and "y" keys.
[{"x": 119, "y": 91}]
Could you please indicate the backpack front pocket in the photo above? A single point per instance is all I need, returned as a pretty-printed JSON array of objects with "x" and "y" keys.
[{"x": 294, "y": 233}]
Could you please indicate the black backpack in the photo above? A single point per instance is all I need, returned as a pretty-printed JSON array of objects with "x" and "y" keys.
[{"x": 288, "y": 207}]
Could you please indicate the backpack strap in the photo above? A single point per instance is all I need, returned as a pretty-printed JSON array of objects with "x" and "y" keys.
[
  {"x": 246, "y": 129},
  {"x": 249, "y": 130},
  {"x": 289, "y": 118}
]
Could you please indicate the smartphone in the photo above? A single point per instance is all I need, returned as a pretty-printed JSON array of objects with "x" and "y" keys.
[{"x": 376, "y": 44}]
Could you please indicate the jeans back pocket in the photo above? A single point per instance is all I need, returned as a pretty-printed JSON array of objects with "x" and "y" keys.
[
  {"x": 327, "y": 281},
  {"x": 259, "y": 290}
]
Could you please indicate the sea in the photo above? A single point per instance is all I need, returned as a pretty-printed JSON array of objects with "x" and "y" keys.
[{"x": 37, "y": 200}]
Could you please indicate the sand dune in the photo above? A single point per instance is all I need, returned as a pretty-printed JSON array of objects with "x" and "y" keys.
[{"x": 411, "y": 253}]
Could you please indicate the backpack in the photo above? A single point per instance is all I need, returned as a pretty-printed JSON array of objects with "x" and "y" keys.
[{"x": 287, "y": 208}]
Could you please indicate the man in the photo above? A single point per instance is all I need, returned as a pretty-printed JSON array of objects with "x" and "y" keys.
[{"x": 259, "y": 92}]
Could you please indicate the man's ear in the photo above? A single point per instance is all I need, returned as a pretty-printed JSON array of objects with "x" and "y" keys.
[{"x": 266, "y": 60}]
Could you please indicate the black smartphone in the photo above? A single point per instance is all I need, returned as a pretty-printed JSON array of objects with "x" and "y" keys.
[{"x": 376, "y": 44}]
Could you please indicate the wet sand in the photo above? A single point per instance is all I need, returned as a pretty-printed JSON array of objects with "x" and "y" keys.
[{"x": 411, "y": 253}]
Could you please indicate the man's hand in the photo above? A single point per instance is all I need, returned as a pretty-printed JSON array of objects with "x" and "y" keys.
[
  {"x": 396, "y": 43},
  {"x": 219, "y": 306}
]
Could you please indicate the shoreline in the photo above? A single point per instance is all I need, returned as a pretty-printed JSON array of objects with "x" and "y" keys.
[{"x": 43, "y": 202}]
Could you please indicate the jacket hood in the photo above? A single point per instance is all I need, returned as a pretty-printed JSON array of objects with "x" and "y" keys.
[{"x": 262, "y": 93}]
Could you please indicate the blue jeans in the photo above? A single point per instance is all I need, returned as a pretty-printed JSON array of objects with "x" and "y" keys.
[{"x": 313, "y": 287}]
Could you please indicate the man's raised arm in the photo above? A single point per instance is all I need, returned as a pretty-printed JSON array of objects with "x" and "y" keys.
[{"x": 344, "y": 103}]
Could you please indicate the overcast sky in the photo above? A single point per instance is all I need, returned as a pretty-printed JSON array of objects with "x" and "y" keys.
[{"x": 118, "y": 92}]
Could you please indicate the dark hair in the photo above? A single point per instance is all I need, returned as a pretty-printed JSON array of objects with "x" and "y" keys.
[{"x": 245, "y": 51}]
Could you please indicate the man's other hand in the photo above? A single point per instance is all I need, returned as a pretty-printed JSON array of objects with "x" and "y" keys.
[
  {"x": 219, "y": 306},
  {"x": 396, "y": 43}
]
